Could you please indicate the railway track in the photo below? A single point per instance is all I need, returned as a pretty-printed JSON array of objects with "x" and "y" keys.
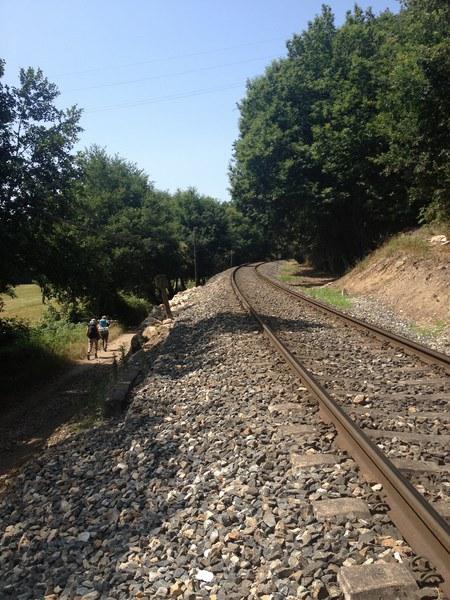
[{"x": 387, "y": 397}]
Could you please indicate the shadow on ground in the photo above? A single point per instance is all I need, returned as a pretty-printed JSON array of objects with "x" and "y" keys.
[
  {"x": 309, "y": 277},
  {"x": 27, "y": 426},
  {"x": 189, "y": 342},
  {"x": 78, "y": 510}
]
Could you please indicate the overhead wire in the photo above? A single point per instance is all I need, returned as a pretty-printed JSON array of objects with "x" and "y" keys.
[
  {"x": 164, "y": 75},
  {"x": 157, "y": 99},
  {"x": 168, "y": 58}
]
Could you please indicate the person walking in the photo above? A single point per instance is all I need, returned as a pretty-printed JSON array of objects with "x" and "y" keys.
[
  {"x": 103, "y": 327},
  {"x": 93, "y": 336}
]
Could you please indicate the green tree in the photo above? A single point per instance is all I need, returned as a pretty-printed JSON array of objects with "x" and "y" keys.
[
  {"x": 246, "y": 239},
  {"x": 203, "y": 232},
  {"x": 37, "y": 171},
  {"x": 346, "y": 140},
  {"x": 126, "y": 230},
  {"x": 414, "y": 113}
]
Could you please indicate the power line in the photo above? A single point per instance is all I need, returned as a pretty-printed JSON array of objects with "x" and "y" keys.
[
  {"x": 168, "y": 58},
  {"x": 164, "y": 75},
  {"x": 157, "y": 99}
]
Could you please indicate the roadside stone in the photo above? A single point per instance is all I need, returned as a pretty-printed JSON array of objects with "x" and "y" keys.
[
  {"x": 203, "y": 575},
  {"x": 176, "y": 590},
  {"x": 269, "y": 519},
  {"x": 162, "y": 591},
  {"x": 359, "y": 399},
  {"x": 91, "y": 596}
]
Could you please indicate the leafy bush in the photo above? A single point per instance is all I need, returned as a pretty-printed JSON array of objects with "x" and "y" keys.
[
  {"x": 12, "y": 330},
  {"x": 131, "y": 310},
  {"x": 29, "y": 355},
  {"x": 60, "y": 336},
  {"x": 25, "y": 361}
]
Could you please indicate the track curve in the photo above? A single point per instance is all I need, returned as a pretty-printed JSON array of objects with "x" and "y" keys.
[
  {"x": 423, "y": 527},
  {"x": 423, "y": 352}
]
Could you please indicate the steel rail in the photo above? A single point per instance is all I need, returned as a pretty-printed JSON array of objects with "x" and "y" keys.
[
  {"x": 409, "y": 346},
  {"x": 424, "y": 529}
]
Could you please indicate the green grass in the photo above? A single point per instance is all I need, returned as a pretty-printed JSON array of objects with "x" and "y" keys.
[
  {"x": 431, "y": 330},
  {"x": 27, "y": 303},
  {"x": 37, "y": 342},
  {"x": 289, "y": 274},
  {"x": 442, "y": 228},
  {"x": 25, "y": 360},
  {"x": 289, "y": 271},
  {"x": 329, "y": 296},
  {"x": 31, "y": 355},
  {"x": 415, "y": 244}
]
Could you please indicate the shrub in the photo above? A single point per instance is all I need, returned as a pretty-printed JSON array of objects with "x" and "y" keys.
[
  {"x": 25, "y": 360},
  {"x": 59, "y": 335},
  {"x": 30, "y": 354},
  {"x": 131, "y": 310}
]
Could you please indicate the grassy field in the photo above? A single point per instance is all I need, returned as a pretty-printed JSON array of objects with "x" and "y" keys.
[
  {"x": 26, "y": 305},
  {"x": 431, "y": 330}
]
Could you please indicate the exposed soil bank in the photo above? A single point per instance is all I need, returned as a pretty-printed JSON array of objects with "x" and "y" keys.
[{"x": 408, "y": 274}]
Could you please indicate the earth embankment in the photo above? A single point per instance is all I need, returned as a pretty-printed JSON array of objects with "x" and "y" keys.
[{"x": 410, "y": 273}]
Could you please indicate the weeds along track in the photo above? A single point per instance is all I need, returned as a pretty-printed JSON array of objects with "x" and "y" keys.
[{"x": 388, "y": 398}]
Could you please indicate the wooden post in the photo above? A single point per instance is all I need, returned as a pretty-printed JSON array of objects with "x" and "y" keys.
[
  {"x": 195, "y": 257},
  {"x": 162, "y": 283}
]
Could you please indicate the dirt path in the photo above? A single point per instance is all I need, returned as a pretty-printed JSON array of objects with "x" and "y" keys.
[
  {"x": 115, "y": 347},
  {"x": 38, "y": 417}
]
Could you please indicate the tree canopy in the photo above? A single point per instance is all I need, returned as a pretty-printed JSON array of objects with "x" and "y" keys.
[
  {"x": 88, "y": 226},
  {"x": 37, "y": 172},
  {"x": 341, "y": 143},
  {"x": 346, "y": 140}
]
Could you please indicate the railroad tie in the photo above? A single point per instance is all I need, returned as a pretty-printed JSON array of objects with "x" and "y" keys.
[{"x": 389, "y": 581}]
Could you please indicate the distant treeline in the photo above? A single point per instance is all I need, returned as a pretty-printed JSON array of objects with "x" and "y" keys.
[
  {"x": 91, "y": 228},
  {"x": 346, "y": 140},
  {"x": 343, "y": 142}
]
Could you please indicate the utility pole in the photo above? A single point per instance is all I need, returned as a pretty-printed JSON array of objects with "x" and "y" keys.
[{"x": 195, "y": 256}]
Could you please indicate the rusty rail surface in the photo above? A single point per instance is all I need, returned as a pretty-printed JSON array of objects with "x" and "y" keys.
[
  {"x": 424, "y": 529},
  {"x": 409, "y": 346}
]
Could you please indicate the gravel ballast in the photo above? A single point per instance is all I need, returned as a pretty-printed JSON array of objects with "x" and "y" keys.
[
  {"x": 195, "y": 493},
  {"x": 378, "y": 313}
]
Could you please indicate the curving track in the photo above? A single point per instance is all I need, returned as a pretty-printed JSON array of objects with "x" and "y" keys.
[{"x": 385, "y": 394}]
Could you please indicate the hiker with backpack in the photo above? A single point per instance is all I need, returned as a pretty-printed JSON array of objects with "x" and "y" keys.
[
  {"x": 103, "y": 327},
  {"x": 93, "y": 336}
]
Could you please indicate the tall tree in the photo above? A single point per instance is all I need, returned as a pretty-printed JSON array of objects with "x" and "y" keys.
[
  {"x": 346, "y": 140},
  {"x": 203, "y": 233},
  {"x": 37, "y": 170}
]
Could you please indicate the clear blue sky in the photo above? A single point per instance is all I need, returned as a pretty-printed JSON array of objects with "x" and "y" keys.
[{"x": 178, "y": 68}]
